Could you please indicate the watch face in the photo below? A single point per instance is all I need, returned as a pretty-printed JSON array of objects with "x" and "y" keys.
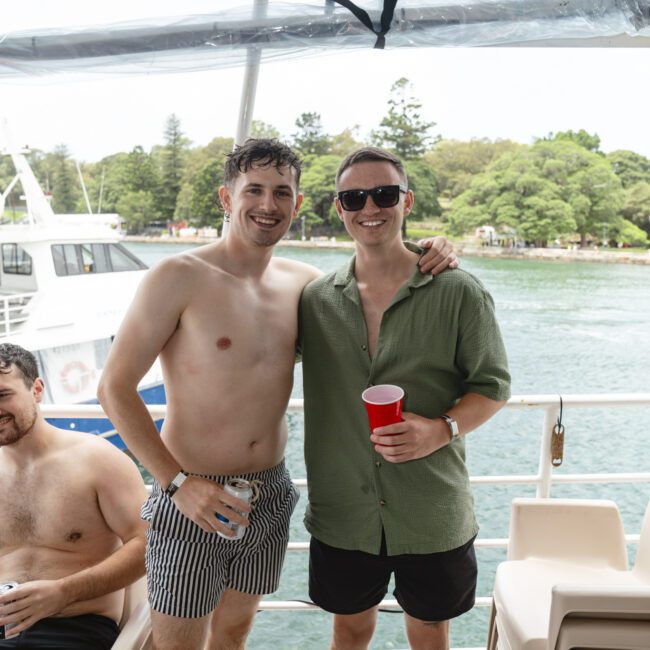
[
  {"x": 177, "y": 481},
  {"x": 453, "y": 426}
]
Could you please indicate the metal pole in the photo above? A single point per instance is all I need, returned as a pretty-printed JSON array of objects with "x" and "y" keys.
[
  {"x": 249, "y": 88},
  {"x": 253, "y": 57},
  {"x": 247, "y": 102}
]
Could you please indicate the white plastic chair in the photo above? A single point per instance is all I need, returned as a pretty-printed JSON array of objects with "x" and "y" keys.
[
  {"x": 135, "y": 626},
  {"x": 566, "y": 582}
]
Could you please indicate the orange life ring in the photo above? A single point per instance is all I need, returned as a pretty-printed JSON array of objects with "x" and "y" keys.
[{"x": 75, "y": 376}]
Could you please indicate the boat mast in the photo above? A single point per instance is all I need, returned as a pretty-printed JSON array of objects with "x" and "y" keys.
[
  {"x": 39, "y": 210},
  {"x": 83, "y": 187}
]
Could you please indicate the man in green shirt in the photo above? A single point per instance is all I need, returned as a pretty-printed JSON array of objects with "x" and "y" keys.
[{"x": 396, "y": 500}]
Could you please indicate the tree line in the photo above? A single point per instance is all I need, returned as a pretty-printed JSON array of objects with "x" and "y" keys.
[{"x": 561, "y": 187}]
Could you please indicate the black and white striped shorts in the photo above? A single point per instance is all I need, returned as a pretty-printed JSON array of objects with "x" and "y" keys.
[{"x": 188, "y": 568}]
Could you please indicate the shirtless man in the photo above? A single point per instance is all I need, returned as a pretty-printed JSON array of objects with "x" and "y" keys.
[
  {"x": 223, "y": 319},
  {"x": 71, "y": 534}
]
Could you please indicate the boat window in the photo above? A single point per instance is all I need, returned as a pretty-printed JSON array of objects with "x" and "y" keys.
[
  {"x": 72, "y": 266},
  {"x": 16, "y": 260},
  {"x": 100, "y": 256},
  {"x": 124, "y": 260},
  {"x": 59, "y": 260},
  {"x": 66, "y": 261},
  {"x": 87, "y": 259},
  {"x": 78, "y": 259}
]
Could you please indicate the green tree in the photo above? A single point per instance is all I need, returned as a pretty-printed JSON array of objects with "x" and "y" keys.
[
  {"x": 403, "y": 130},
  {"x": 630, "y": 167},
  {"x": 141, "y": 172},
  {"x": 317, "y": 186},
  {"x": 64, "y": 187},
  {"x": 204, "y": 202},
  {"x": 137, "y": 209},
  {"x": 310, "y": 138},
  {"x": 625, "y": 232},
  {"x": 346, "y": 141},
  {"x": 121, "y": 173},
  {"x": 201, "y": 212},
  {"x": 637, "y": 205},
  {"x": 422, "y": 180},
  {"x": 172, "y": 158},
  {"x": 456, "y": 162},
  {"x": 581, "y": 138},
  {"x": 544, "y": 192},
  {"x": 260, "y": 129},
  {"x": 116, "y": 181}
]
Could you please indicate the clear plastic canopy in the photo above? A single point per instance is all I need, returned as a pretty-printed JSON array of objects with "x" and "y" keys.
[{"x": 116, "y": 40}]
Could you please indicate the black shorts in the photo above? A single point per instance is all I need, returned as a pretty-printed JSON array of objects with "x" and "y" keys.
[
  {"x": 85, "y": 632},
  {"x": 429, "y": 587}
]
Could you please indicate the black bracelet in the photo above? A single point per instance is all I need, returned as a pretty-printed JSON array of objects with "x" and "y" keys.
[{"x": 177, "y": 481}]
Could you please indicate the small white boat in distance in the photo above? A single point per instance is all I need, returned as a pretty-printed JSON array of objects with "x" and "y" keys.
[{"x": 65, "y": 284}]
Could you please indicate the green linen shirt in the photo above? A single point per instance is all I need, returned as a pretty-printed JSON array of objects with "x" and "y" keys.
[{"x": 438, "y": 340}]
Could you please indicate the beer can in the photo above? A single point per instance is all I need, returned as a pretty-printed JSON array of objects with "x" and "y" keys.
[
  {"x": 4, "y": 588},
  {"x": 241, "y": 489}
]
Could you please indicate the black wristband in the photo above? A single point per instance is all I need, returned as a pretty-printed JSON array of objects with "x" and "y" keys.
[{"x": 177, "y": 481}]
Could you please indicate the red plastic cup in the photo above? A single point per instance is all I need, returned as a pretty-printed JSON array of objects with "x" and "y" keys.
[{"x": 383, "y": 404}]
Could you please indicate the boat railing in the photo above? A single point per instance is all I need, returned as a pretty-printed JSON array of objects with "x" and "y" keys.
[
  {"x": 543, "y": 479},
  {"x": 13, "y": 312}
]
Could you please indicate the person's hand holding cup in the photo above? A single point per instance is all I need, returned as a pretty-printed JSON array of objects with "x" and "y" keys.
[{"x": 383, "y": 405}]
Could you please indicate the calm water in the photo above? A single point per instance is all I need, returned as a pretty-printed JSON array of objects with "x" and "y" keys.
[{"x": 568, "y": 328}]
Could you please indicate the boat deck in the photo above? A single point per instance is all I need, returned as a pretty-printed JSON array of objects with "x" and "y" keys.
[{"x": 543, "y": 480}]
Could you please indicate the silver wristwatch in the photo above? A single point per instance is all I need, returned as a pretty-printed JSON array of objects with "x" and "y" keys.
[
  {"x": 177, "y": 481},
  {"x": 453, "y": 427}
]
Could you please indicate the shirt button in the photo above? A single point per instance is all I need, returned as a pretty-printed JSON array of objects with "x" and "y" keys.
[
  {"x": 382, "y": 503},
  {"x": 364, "y": 347},
  {"x": 378, "y": 464}
]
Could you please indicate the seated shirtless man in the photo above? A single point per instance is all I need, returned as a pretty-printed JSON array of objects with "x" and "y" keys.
[
  {"x": 70, "y": 533},
  {"x": 223, "y": 318}
]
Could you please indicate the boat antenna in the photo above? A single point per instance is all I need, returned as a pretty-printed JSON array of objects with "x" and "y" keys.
[
  {"x": 101, "y": 192},
  {"x": 83, "y": 187}
]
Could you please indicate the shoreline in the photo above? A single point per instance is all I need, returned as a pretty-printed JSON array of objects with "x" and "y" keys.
[{"x": 462, "y": 249}]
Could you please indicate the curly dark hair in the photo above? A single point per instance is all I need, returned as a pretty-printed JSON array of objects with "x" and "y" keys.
[
  {"x": 261, "y": 152},
  {"x": 13, "y": 355}
]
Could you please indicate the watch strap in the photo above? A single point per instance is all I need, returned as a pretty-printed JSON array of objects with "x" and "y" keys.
[
  {"x": 453, "y": 426},
  {"x": 177, "y": 481}
]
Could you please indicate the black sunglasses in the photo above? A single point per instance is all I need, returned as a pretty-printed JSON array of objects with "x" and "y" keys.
[{"x": 384, "y": 196}]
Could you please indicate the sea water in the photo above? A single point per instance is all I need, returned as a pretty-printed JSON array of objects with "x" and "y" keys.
[{"x": 568, "y": 328}]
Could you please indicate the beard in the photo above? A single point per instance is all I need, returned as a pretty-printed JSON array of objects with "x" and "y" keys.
[{"x": 17, "y": 427}]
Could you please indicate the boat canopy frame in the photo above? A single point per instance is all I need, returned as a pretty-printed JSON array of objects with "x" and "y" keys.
[{"x": 275, "y": 30}]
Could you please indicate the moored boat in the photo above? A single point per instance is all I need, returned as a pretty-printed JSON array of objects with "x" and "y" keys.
[{"x": 65, "y": 284}]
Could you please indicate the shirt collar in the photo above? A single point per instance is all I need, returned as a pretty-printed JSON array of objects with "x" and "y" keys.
[{"x": 345, "y": 275}]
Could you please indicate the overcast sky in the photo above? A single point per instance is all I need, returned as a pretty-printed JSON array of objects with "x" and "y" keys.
[{"x": 518, "y": 93}]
